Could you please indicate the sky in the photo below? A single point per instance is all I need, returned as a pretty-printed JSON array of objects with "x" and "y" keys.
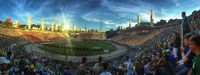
[{"x": 112, "y": 13}]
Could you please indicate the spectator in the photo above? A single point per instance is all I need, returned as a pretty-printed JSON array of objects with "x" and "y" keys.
[
  {"x": 176, "y": 45},
  {"x": 147, "y": 67},
  {"x": 83, "y": 68},
  {"x": 185, "y": 24},
  {"x": 194, "y": 45},
  {"x": 105, "y": 69},
  {"x": 4, "y": 66},
  {"x": 195, "y": 29},
  {"x": 170, "y": 56},
  {"x": 185, "y": 64},
  {"x": 168, "y": 70},
  {"x": 98, "y": 66},
  {"x": 67, "y": 71},
  {"x": 139, "y": 69},
  {"x": 129, "y": 66}
]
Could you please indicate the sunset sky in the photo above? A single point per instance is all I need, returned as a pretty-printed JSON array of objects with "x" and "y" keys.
[{"x": 90, "y": 12}]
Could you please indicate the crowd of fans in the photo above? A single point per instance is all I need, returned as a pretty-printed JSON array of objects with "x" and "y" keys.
[
  {"x": 16, "y": 60},
  {"x": 168, "y": 53}
]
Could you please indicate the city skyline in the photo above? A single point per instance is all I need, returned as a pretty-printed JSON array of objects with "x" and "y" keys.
[{"x": 90, "y": 12}]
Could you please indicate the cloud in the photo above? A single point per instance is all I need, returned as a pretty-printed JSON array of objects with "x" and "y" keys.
[
  {"x": 107, "y": 26},
  {"x": 78, "y": 12},
  {"x": 166, "y": 15},
  {"x": 108, "y": 22},
  {"x": 145, "y": 17},
  {"x": 92, "y": 18}
]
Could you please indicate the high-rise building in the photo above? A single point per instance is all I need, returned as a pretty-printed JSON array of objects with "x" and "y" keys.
[
  {"x": 42, "y": 25},
  {"x": 151, "y": 17},
  {"x": 52, "y": 26},
  {"x": 29, "y": 22}
]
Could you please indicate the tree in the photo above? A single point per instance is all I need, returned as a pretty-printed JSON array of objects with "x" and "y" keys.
[
  {"x": 8, "y": 24},
  {"x": 170, "y": 20},
  {"x": 161, "y": 22},
  {"x": 194, "y": 12},
  {"x": 92, "y": 30},
  {"x": 0, "y": 22},
  {"x": 118, "y": 28},
  {"x": 111, "y": 33}
]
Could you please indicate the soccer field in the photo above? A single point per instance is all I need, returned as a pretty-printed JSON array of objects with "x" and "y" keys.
[{"x": 79, "y": 48}]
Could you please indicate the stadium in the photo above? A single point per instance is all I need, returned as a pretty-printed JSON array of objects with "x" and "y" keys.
[{"x": 99, "y": 37}]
